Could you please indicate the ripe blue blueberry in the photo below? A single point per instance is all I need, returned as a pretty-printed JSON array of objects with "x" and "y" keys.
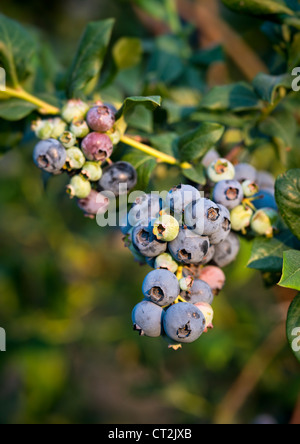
[
  {"x": 244, "y": 171},
  {"x": 200, "y": 291},
  {"x": 209, "y": 256},
  {"x": 227, "y": 251},
  {"x": 210, "y": 157},
  {"x": 202, "y": 217},
  {"x": 161, "y": 287},
  {"x": 50, "y": 155},
  {"x": 145, "y": 208},
  {"x": 97, "y": 147},
  {"x": 146, "y": 243},
  {"x": 228, "y": 193},
  {"x": 224, "y": 227},
  {"x": 265, "y": 199},
  {"x": 188, "y": 247},
  {"x": 115, "y": 176},
  {"x": 265, "y": 180},
  {"x": 100, "y": 118},
  {"x": 179, "y": 197},
  {"x": 147, "y": 319},
  {"x": 184, "y": 322}
]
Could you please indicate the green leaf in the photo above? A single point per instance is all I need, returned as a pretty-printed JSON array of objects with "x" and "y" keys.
[
  {"x": 196, "y": 174},
  {"x": 166, "y": 143},
  {"x": 291, "y": 270},
  {"x": 293, "y": 326},
  {"x": 237, "y": 96},
  {"x": 266, "y": 86},
  {"x": 141, "y": 118},
  {"x": 127, "y": 52},
  {"x": 144, "y": 166},
  {"x": 15, "y": 109},
  {"x": 287, "y": 193},
  {"x": 17, "y": 48},
  {"x": 85, "y": 70},
  {"x": 281, "y": 126},
  {"x": 130, "y": 103},
  {"x": 195, "y": 144},
  {"x": 267, "y": 254},
  {"x": 258, "y": 7}
]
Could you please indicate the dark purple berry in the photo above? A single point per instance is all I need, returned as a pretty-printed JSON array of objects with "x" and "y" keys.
[{"x": 116, "y": 174}]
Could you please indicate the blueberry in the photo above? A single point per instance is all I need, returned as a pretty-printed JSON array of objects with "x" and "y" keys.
[
  {"x": 50, "y": 155},
  {"x": 75, "y": 158},
  {"x": 214, "y": 277},
  {"x": 227, "y": 251},
  {"x": 92, "y": 171},
  {"x": 228, "y": 193},
  {"x": 209, "y": 256},
  {"x": 79, "y": 128},
  {"x": 220, "y": 169},
  {"x": 184, "y": 322},
  {"x": 250, "y": 188},
  {"x": 116, "y": 174},
  {"x": 147, "y": 319},
  {"x": 179, "y": 197},
  {"x": 67, "y": 139},
  {"x": 224, "y": 227},
  {"x": 42, "y": 128},
  {"x": 97, "y": 147},
  {"x": 100, "y": 118},
  {"x": 146, "y": 243},
  {"x": 188, "y": 247},
  {"x": 145, "y": 208},
  {"x": 74, "y": 109},
  {"x": 210, "y": 157},
  {"x": 79, "y": 187},
  {"x": 241, "y": 217},
  {"x": 265, "y": 199},
  {"x": 202, "y": 217},
  {"x": 161, "y": 287},
  {"x": 166, "y": 228},
  {"x": 200, "y": 291},
  {"x": 265, "y": 180},
  {"x": 244, "y": 171},
  {"x": 165, "y": 261},
  {"x": 265, "y": 221},
  {"x": 208, "y": 313},
  {"x": 94, "y": 204}
]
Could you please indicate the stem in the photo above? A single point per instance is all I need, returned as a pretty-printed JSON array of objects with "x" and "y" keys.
[
  {"x": 172, "y": 16},
  {"x": 154, "y": 153},
  {"x": 44, "y": 107}
]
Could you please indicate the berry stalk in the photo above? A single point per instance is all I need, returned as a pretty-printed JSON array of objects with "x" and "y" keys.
[{"x": 44, "y": 107}]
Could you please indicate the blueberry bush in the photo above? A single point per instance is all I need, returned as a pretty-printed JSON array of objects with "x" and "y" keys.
[{"x": 149, "y": 113}]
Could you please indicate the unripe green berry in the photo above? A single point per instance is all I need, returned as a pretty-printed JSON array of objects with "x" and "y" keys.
[
  {"x": 207, "y": 312},
  {"x": 79, "y": 128},
  {"x": 265, "y": 221},
  {"x": 241, "y": 217},
  {"x": 250, "y": 188},
  {"x": 79, "y": 187},
  {"x": 67, "y": 139},
  {"x": 59, "y": 126},
  {"x": 220, "y": 169},
  {"x": 166, "y": 261},
  {"x": 75, "y": 158},
  {"x": 186, "y": 283},
  {"x": 92, "y": 171},
  {"x": 74, "y": 109},
  {"x": 166, "y": 228},
  {"x": 42, "y": 128}
]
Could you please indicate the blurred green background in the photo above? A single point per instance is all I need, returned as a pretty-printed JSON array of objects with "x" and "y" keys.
[{"x": 67, "y": 289}]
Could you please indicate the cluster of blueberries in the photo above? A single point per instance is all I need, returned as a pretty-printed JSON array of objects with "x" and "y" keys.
[
  {"x": 188, "y": 239},
  {"x": 79, "y": 143}
]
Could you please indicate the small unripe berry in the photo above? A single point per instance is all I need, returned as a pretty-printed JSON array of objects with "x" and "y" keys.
[
  {"x": 97, "y": 147},
  {"x": 59, "y": 126},
  {"x": 79, "y": 128},
  {"x": 67, "y": 139},
  {"x": 100, "y": 118},
  {"x": 241, "y": 217},
  {"x": 74, "y": 109},
  {"x": 165, "y": 261},
  {"x": 92, "y": 171},
  {"x": 186, "y": 283},
  {"x": 221, "y": 169},
  {"x": 250, "y": 188},
  {"x": 166, "y": 228},
  {"x": 208, "y": 314},
  {"x": 79, "y": 187},
  {"x": 265, "y": 221},
  {"x": 42, "y": 128},
  {"x": 95, "y": 203},
  {"x": 75, "y": 158}
]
